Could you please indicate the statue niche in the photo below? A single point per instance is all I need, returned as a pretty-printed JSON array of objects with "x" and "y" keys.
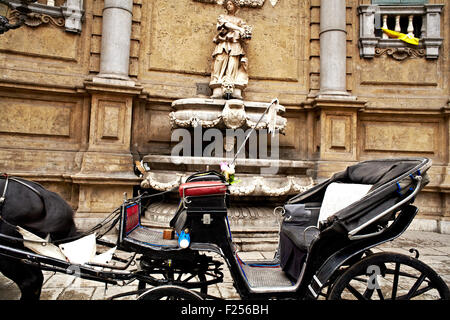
[{"x": 229, "y": 75}]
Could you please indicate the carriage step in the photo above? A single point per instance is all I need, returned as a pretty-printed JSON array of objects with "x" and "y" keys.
[{"x": 259, "y": 276}]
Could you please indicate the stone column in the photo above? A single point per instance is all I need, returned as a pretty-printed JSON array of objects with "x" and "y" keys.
[
  {"x": 116, "y": 34},
  {"x": 338, "y": 109},
  {"x": 332, "y": 48}
]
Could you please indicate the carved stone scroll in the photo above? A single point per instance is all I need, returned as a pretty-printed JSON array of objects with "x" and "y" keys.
[
  {"x": 400, "y": 53},
  {"x": 248, "y": 186},
  {"x": 36, "y": 19},
  {"x": 242, "y": 3}
]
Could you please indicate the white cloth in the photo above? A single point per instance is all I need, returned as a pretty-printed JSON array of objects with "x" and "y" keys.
[
  {"x": 39, "y": 245},
  {"x": 341, "y": 195},
  {"x": 80, "y": 251}
]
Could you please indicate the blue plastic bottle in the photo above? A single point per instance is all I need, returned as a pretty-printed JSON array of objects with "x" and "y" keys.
[{"x": 184, "y": 239}]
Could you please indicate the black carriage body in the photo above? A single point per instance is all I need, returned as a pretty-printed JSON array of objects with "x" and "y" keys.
[
  {"x": 205, "y": 215},
  {"x": 380, "y": 216},
  {"x": 306, "y": 263},
  {"x": 308, "y": 260}
]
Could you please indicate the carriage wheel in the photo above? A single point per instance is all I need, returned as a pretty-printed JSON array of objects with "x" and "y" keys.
[
  {"x": 389, "y": 276},
  {"x": 169, "y": 293},
  {"x": 198, "y": 280}
]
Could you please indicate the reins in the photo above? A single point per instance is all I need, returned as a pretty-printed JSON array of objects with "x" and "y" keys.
[
  {"x": 3, "y": 197},
  {"x": 5, "y": 188}
]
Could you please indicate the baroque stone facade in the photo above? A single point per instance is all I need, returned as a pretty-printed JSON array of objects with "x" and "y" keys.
[{"x": 78, "y": 108}]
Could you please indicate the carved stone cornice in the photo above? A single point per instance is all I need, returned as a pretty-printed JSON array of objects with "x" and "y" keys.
[
  {"x": 400, "y": 53},
  {"x": 292, "y": 177},
  {"x": 248, "y": 186},
  {"x": 218, "y": 113},
  {"x": 242, "y": 3},
  {"x": 69, "y": 16},
  {"x": 344, "y": 102},
  {"x": 36, "y": 19}
]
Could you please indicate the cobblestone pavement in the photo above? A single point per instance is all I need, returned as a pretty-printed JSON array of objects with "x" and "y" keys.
[{"x": 434, "y": 250}]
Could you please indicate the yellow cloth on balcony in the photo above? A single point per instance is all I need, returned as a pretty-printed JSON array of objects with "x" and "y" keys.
[{"x": 404, "y": 37}]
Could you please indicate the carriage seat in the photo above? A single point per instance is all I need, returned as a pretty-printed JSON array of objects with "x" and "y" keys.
[
  {"x": 295, "y": 240},
  {"x": 202, "y": 188},
  {"x": 134, "y": 236},
  {"x": 298, "y": 236},
  {"x": 337, "y": 196}
]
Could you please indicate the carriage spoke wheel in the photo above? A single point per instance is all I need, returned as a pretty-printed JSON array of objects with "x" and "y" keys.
[
  {"x": 389, "y": 276},
  {"x": 184, "y": 279},
  {"x": 169, "y": 292},
  {"x": 198, "y": 279}
]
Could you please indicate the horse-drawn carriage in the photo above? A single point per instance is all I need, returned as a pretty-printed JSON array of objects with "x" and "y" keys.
[{"x": 324, "y": 250}]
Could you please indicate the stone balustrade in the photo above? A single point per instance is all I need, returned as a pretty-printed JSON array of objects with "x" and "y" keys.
[{"x": 423, "y": 22}]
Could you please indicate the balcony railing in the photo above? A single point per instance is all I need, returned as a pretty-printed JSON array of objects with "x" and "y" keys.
[{"x": 422, "y": 22}]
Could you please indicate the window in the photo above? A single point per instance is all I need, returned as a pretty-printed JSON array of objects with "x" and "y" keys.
[{"x": 413, "y": 17}]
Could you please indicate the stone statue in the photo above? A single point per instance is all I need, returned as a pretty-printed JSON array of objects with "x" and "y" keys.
[{"x": 229, "y": 69}]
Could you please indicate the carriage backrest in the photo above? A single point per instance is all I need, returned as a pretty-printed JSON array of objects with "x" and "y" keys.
[
  {"x": 133, "y": 214},
  {"x": 395, "y": 183},
  {"x": 130, "y": 218},
  {"x": 202, "y": 188}
]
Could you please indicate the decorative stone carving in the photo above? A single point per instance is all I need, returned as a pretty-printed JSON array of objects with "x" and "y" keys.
[
  {"x": 229, "y": 67},
  {"x": 242, "y": 3},
  {"x": 36, "y": 19},
  {"x": 273, "y": 2},
  {"x": 192, "y": 119},
  {"x": 400, "y": 53},
  {"x": 161, "y": 181},
  {"x": 218, "y": 113},
  {"x": 248, "y": 186},
  {"x": 70, "y": 15},
  {"x": 244, "y": 188},
  {"x": 233, "y": 114}
]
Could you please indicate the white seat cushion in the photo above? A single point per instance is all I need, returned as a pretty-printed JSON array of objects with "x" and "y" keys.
[{"x": 340, "y": 195}]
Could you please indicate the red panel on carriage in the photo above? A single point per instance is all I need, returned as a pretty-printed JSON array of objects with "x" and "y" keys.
[
  {"x": 132, "y": 220},
  {"x": 202, "y": 188}
]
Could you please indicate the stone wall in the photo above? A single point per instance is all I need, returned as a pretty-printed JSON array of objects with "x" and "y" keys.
[{"x": 77, "y": 131}]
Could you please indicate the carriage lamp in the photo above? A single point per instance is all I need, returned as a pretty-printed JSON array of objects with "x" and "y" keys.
[{"x": 17, "y": 11}]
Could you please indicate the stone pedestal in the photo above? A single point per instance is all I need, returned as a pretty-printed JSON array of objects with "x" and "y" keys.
[
  {"x": 222, "y": 114},
  {"x": 338, "y": 128},
  {"x": 107, "y": 165}
]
